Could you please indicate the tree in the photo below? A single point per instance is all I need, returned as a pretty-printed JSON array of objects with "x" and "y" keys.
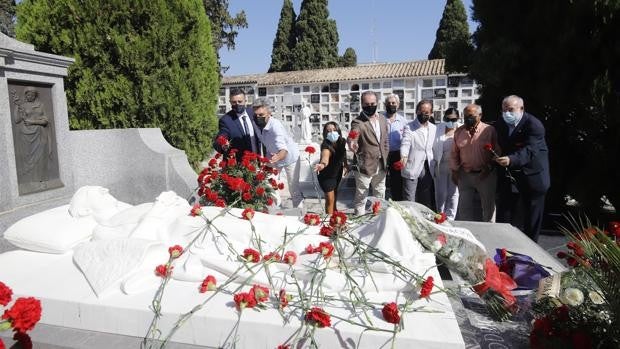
[
  {"x": 144, "y": 63},
  {"x": 223, "y": 25},
  {"x": 565, "y": 67},
  {"x": 349, "y": 59},
  {"x": 452, "y": 40},
  {"x": 284, "y": 43},
  {"x": 317, "y": 37},
  {"x": 7, "y": 16}
]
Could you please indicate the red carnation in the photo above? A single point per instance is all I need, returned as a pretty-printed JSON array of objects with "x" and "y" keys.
[
  {"x": 208, "y": 284},
  {"x": 326, "y": 231},
  {"x": 221, "y": 140},
  {"x": 220, "y": 202},
  {"x": 338, "y": 219},
  {"x": 427, "y": 287},
  {"x": 310, "y": 150},
  {"x": 196, "y": 210},
  {"x": 280, "y": 186},
  {"x": 488, "y": 147},
  {"x": 440, "y": 218},
  {"x": 309, "y": 249},
  {"x": 248, "y": 213},
  {"x": 376, "y": 207},
  {"x": 326, "y": 249},
  {"x": 614, "y": 229},
  {"x": 163, "y": 270},
  {"x": 246, "y": 196},
  {"x": 175, "y": 251},
  {"x": 213, "y": 162},
  {"x": 260, "y": 177},
  {"x": 260, "y": 191},
  {"x": 397, "y": 166},
  {"x": 312, "y": 219},
  {"x": 290, "y": 257},
  {"x": 244, "y": 300},
  {"x": 272, "y": 256},
  {"x": 260, "y": 293},
  {"x": 318, "y": 317},
  {"x": 251, "y": 255},
  {"x": 284, "y": 346},
  {"x": 284, "y": 298},
  {"x": 24, "y": 314},
  {"x": 269, "y": 201},
  {"x": 6, "y": 294},
  {"x": 353, "y": 135},
  {"x": 390, "y": 313}
]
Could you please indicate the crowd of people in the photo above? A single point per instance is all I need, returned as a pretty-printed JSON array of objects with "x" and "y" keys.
[{"x": 473, "y": 171}]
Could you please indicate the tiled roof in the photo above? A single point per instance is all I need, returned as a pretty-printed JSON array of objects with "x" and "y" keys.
[{"x": 361, "y": 72}]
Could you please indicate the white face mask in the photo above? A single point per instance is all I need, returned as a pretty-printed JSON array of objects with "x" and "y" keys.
[
  {"x": 333, "y": 136},
  {"x": 452, "y": 124},
  {"x": 512, "y": 118}
]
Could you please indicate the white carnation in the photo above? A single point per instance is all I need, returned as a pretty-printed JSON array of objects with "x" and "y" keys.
[{"x": 572, "y": 297}]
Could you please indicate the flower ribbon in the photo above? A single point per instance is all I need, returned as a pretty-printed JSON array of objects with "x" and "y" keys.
[{"x": 497, "y": 281}]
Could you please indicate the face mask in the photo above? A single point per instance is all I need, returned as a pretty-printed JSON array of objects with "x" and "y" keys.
[
  {"x": 470, "y": 122},
  {"x": 370, "y": 110},
  {"x": 261, "y": 122},
  {"x": 423, "y": 118},
  {"x": 333, "y": 136},
  {"x": 511, "y": 118},
  {"x": 391, "y": 109},
  {"x": 451, "y": 124},
  {"x": 239, "y": 108}
]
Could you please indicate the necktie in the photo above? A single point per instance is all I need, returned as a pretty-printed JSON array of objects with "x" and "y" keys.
[{"x": 245, "y": 126}]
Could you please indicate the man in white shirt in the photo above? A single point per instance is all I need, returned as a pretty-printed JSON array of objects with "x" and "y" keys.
[
  {"x": 417, "y": 157},
  {"x": 281, "y": 150}
]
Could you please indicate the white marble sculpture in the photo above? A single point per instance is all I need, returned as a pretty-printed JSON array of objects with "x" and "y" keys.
[{"x": 306, "y": 127}]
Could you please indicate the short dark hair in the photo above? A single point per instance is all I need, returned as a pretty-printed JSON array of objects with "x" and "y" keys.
[
  {"x": 422, "y": 102},
  {"x": 235, "y": 91},
  {"x": 450, "y": 111}
]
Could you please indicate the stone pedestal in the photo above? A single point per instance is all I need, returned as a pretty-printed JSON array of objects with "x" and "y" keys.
[{"x": 308, "y": 182}]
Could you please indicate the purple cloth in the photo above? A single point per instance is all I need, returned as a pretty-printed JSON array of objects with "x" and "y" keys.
[{"x": 522, "y": 268}]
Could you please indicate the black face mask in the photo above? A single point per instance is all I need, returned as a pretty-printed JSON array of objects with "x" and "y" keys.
[
  {"x": 470, "y": 121},
  {"x": 261, "y": 122},
  {"x": 239, "y": 108},
  {"x": 422, "y": 118},
  {"x": 370, "y": 110},
  {"x": 391, "y": 109}
]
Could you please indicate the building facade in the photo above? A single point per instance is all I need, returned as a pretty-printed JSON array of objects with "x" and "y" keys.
[{"x": 334, "y": 94}]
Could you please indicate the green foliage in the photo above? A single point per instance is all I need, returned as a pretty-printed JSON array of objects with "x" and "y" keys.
[
  {"x": 7, "y": 17},
  {"x": 223, "y": 25},
  {"x": 144, "y": 63},
  {"x": 284, "y": 43},
  {"x": 349, "y": 59},
  {"x": 452, "y": 40},
  {"x": 317, "y": 37},
  {"x": 562, "y": 58}
]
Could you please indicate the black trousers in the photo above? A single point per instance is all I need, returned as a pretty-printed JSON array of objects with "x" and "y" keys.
[
  {"x": 523, "y": 210},
  {"x": 394, "y": 177}
]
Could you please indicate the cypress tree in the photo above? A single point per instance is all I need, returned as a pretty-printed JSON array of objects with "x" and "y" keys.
[
  {"x": 284, "y": 43},
  {"x": 317, "y": 37},
  {"x": 565, "y": 67},
  {"x": 7, "y": 15},
  {"x": 144, "y": 63},
  {"x": 224, "y": 26},
  {"x": 349, "y": 59},
  {"x": 452, "y": 40}
]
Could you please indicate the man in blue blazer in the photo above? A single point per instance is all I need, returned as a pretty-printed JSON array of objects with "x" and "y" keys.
[
  {"x": 237, "y": 126},
  {"x": 524, "y": 176}
]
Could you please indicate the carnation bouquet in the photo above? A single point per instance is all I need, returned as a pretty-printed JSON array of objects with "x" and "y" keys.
[
  {"x": 246, "y": 183},
  {"x": 581, "y": 307},
  {"x": 22, "y": 316}
]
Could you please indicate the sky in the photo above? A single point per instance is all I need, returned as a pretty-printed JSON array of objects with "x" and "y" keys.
[{"x": 404, "y": 30}]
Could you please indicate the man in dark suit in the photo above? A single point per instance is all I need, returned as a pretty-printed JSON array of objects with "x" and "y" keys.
[
  {"x": 524, "y": 175},
  {"x": 237, "y": 126}
]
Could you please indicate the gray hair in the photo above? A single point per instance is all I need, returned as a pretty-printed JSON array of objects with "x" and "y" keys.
[
  {"x": 476, "y": 107},
  {"x": 516, "y": 98},
  {"x": 368, "y": 93},
  {"x": 392, "y": 95},
  {"x": 261, "y": 103}
]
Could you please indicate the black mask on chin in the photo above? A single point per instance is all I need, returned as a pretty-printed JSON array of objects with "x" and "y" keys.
[
  {"x": 370, "y": 110},
  {"x": 390, "y": 109},
  {"x": 422, "y": 118}
]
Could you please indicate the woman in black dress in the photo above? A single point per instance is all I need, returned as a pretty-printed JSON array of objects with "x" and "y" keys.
[{"x": 333, "y": 164}]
